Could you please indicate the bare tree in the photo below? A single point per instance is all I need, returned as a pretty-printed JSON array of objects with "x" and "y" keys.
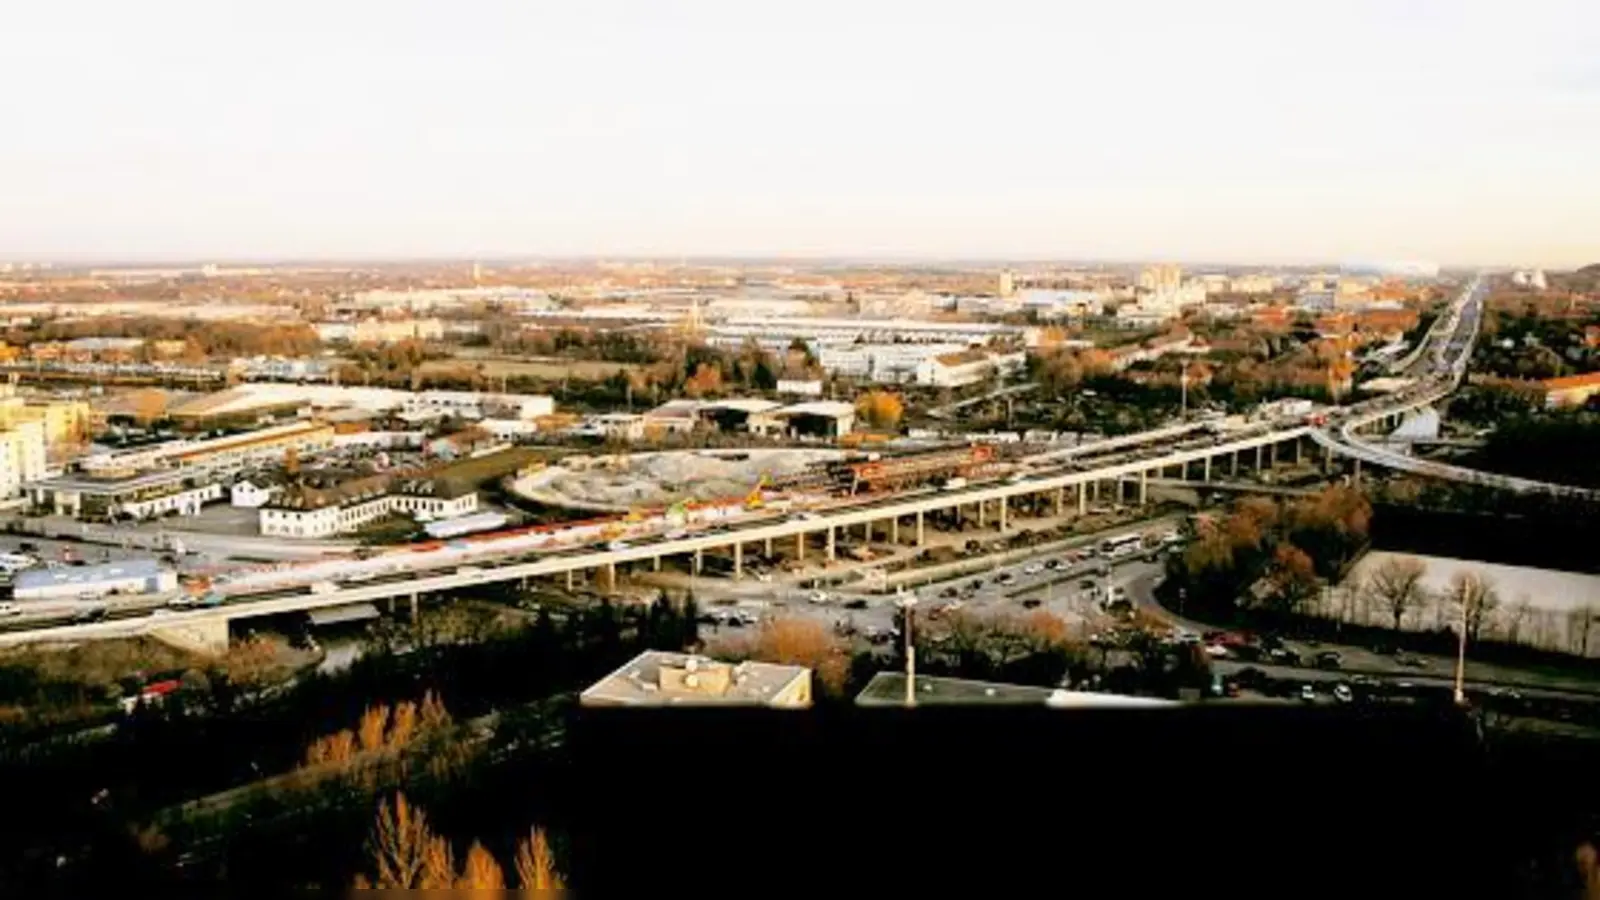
[
  {"x": 1474, "y": 600},
  {"x": 1397, "y": 584},
  {"x": 1516, "y": 616}
]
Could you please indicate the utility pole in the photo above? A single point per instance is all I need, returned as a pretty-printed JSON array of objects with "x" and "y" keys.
[
  {"x": 1461, "y": 658},
  {"x": 1183, "y": 389}
]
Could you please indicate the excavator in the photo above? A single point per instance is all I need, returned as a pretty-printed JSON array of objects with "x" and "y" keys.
[{"x": 754, "y": 500}]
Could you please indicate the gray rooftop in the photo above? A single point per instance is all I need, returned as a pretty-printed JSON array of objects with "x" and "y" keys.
[
  {"x": 88, "y": 575},
  {"x": 889, "y": 689}
]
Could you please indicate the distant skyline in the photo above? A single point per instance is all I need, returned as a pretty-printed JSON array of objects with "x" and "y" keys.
[{"x": 1228, "y": 132}]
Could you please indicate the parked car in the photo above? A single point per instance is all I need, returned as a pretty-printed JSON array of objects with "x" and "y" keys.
[{"x": 1329, "y": 659}]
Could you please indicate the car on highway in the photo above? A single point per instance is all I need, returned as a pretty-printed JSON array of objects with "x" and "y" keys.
[
  {"x": 1343, "y": 694},
  {"x": 1033, "y": 568},
  {"x": 818, "y": 597},
  {"x": 1329, "y": 659},
  {"x": 1308, "y": 693},
  {"x": 1283, "y": 656},
  {"x": 803, "y": 515},
  {"x": 1006, "y": 579},
  {"x": 615, "y": 546}
]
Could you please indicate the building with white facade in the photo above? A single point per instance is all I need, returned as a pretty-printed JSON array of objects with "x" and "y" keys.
[
  {"x": 380, "y": 331},
  {"x": 130, "y": 576},
  {"x": 347, "y": 508},
  {"x": 954, "y": 370},
  {"x": 882, "y": 363}
]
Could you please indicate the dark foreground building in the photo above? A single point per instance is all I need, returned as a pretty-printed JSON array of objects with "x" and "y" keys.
[{"x": 1222, "y": 800}]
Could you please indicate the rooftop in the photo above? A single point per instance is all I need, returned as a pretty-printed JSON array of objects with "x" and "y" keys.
[
  {"x": 833, "y": 409},
  {"x": 1569, "y": 382},
  {"x": 658, "y": 678},
  {"x": 111, "y": 571},
  {"x": 85, "y": 484},
  {"x": 889, "y": 689}
]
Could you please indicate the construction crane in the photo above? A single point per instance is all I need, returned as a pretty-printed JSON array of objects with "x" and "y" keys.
[{"x": 754, "y": 500}]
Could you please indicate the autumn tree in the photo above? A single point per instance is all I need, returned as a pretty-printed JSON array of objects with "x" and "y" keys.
[
  {"x": 480, "y": 872},
  {"x": 1474, "y": 599},
  {"x": 1293, "y": 577},
  {"x": 880, "y": 409},
  {"x": 400, "y": 845},
  {"x": 374, "y": 723},
  {"x": 706, "y": 380},
  {"x": 536, "y": 864},
  {"x": 804, "y": 642},
  {"x": 1396, "y": 583}
]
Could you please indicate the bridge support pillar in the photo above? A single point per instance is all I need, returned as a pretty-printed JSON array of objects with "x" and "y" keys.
[
  {"x": 1083, "y": 500},
  {"x": 207, "y": 638},
  {"x": 611, "y": 577},
  {"x": 738, "y": 559},
  {"x": 699, "y": 563},
  {"x": 919, "y": 528},
  {"x": 1356, "y": 479},
  {"x": 769, "y": 547},
  {"x": 1144, "y": 488},
  {"x": 414, "y": 613},
  {"x": 800, "y": 546},
  {"x": 981, "y": 505},
  {"x": 1258, "y": 457},
  {"x": 1061, "y": 501},
  {"x": 1205, "y": 471},
  {"x": 894, "y": 530},
  {"x": 655, "y": 564},
  {"x": 569, "y": 579},
  {"x": 830, "y": 543},
  {"x": 1234, "y": 465},
  {"x": 1004, "y": 502}
]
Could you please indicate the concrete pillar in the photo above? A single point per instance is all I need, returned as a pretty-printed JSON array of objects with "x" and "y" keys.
[
  {"x": 1258, "y": 457},
  {"x": 769, "y": 547},
  {"x": 1061, "y": 501},
  {"x": 738, "y": 559},
  {"x": 919, "y": 528},
  {"x": 655, "y": 563},
  {"x": 569, "y": 581},
  {"x": 1144, "y": 488},
  {"x": 699, "y": 560},
  {"x": 1234, "y": 469},
  {"x": 1205, "y": 471},
  {"x": 830, "y": 543},
  {"x": 1083, "y": 500},
  {"x": 981, "y": 505},
  {"x": 800, "y": 545},
  {"x": 1294, "y": 448},
  {"x": 1357, "y": 477},
  {"x": 1004, "y": 503},
  {"x": 414, "y": 602},
  {"x": 611, "y": 576},
  {"x": 894, "y": 530}
]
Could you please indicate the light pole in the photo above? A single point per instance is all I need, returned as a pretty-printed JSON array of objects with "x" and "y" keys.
[
  {"x": 907, "y": 601},
  {"x": 1461, "y": 659}
]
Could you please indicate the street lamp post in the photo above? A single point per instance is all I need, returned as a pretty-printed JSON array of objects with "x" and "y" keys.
[
  {"x": 907, "y": 601},
  {"x": 1461, "y": 660}
]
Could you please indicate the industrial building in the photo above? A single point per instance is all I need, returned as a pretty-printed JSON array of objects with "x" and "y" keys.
[
  {"x": 658, "y": 678},
  {"x": 221, "y": 453},
  {"x": 255, "y": 398},
  {"x": 952, "y": 370},
  {"x": 130, "y": 576},
  {"x": 144, "y": 495}
]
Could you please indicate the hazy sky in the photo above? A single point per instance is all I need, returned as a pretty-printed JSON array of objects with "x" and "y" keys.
[{"x": 1457, "y": 131}]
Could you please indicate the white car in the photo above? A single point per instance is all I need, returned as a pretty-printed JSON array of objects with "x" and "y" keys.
[
  {"x": 1217, "y": 651},
  {"x": 1032, "y": 568},
  {"x": 1343, "y": 694},
  {"x": 617, "y": 545},
  {"x": 818, "y": 597}
]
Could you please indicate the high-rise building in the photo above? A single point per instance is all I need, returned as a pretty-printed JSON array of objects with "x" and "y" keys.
[{"x": 1008, "y": 284}]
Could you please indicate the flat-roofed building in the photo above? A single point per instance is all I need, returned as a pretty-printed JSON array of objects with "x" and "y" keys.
[
  {"x": 661, "y": 678},
  {"x": 125, "y": 495}
]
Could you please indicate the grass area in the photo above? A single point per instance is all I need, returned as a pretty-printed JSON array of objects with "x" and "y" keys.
[
  {"x": 549, "y": 369},
  {"x": 490, "y": 467}
]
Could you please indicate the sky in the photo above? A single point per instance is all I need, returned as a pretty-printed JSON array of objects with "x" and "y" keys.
[{"x": 1462, "y": 132}]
